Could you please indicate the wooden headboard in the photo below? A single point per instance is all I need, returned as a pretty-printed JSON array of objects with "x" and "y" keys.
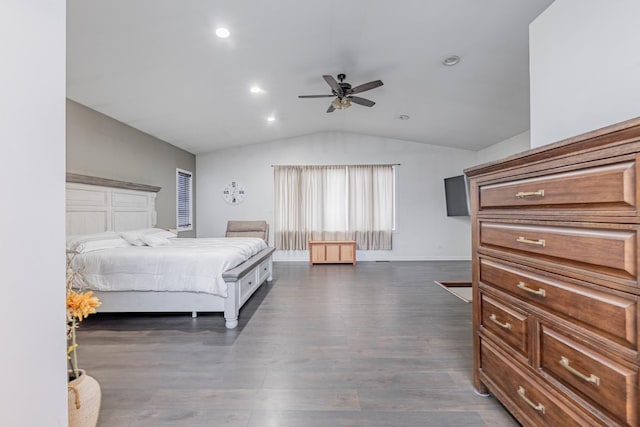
[{"x": 94, "y": 205}]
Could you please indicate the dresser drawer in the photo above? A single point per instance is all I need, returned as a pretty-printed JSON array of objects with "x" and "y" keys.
[
  {"x": 614, "y": 316},
  {"x": 612, "y": 251},
  {"x": 605, "y": 382},
  {"x": 508, "y": 323},
  {"x": 604, "y": 187},
  {"x": 535, "y": 405}
]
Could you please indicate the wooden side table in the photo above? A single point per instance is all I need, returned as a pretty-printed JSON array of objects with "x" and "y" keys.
[{"x": 332, "y": 252}]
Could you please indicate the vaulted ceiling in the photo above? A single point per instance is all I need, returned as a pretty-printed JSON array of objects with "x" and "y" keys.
[{"x": 158, "y": 66}]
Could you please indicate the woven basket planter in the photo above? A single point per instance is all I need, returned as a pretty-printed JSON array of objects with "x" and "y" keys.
[{"x": 84, "y": 401}]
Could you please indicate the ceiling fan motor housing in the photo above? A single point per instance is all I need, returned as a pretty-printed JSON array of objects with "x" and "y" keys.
[{"x": 345, "y": 88}]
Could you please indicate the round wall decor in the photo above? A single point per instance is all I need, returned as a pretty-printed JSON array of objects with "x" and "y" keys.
[{"x": 234, "y": 193}]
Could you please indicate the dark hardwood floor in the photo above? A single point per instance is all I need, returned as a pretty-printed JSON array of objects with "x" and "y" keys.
[{"x": 378, "y": 344}]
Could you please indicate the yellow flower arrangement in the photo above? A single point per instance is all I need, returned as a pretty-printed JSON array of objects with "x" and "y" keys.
[{"x": 79, "y": 306}]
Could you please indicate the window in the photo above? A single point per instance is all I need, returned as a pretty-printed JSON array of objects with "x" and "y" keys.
[
  {"x": 334, "y": 203},
  {"x": 184, "y": 197}
]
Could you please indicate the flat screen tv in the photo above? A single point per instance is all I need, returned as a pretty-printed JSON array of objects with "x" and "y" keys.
[{"x": 455, "y": 191}]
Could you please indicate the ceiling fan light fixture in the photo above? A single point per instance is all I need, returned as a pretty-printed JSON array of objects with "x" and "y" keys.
[{"x": 341, "y": 103}]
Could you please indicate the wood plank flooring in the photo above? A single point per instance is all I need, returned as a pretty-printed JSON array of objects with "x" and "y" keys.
[{"x": 378, "y": 345}]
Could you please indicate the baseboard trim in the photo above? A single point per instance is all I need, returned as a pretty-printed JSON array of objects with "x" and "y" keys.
[{"x": 283, "y": 257}]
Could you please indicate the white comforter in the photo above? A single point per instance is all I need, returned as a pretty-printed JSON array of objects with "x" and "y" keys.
[{"x": 194, "y": 265}]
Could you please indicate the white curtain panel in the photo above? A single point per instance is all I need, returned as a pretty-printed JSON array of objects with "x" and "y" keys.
[
  {"x": 333, "y": 203},
  {"x": 371, "y": 206}
]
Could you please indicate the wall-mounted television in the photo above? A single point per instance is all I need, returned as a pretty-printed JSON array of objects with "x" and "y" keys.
[{"x": 457, "y": 195}]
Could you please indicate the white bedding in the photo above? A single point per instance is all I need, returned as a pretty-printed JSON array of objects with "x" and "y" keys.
[{"x": 193, "y": 265}]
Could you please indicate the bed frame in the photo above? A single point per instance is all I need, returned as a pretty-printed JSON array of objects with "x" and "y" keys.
[{"x": 95, "y": 205}]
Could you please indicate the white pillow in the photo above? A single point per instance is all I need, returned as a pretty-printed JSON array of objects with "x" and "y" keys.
[
  {"x": 154, "y": 240},
  {"x": 94, "y": 242},
  {"x": 160, "y": 232},
  {"x": 134, "y": 237}
]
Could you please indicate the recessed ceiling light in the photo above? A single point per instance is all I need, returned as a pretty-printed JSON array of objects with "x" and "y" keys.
[
  {"x": 222, "y": 32},
  {"x": 451, "y": 60},
  {"x": 256, "y": 89},
  {"x": 404, "y": 117},
  {"x": 271, "y": 119}
]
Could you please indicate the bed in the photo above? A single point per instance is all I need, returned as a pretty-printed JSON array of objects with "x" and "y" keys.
[{"x": 158, "y": 272}]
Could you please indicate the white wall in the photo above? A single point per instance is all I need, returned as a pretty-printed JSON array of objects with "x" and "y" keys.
[
  {"x": 515, "y": 144},
  {"x": 584, "y": 67},
  {"x": 33, "y": 389},
  {"x": 424, "y": 231}
]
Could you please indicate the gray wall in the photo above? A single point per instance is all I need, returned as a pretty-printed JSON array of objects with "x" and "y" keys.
[{"x": 100, "y": 146}]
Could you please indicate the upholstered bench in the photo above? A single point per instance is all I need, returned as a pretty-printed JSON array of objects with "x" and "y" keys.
[{"x": 248, "y": 229}]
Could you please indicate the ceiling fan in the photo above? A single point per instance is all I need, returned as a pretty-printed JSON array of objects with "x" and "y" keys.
[{"x": 344, "y": 93}]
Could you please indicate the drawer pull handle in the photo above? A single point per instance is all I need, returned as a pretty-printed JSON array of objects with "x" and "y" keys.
[
  {"x": 524, "y": 287},
  {"x": 539, "y": 407},
  {"x": 540, "y": 242},
  {"x": 590, "y": 379},
  {"x": 524, "y": 194},
  {"x": 495, "y": 320}
]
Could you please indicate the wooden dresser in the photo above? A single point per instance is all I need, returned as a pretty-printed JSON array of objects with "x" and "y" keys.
[{"x": 555, "y": 280}]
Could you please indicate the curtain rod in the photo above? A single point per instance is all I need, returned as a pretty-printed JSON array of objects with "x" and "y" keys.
[{"x": 365, "y": 164}]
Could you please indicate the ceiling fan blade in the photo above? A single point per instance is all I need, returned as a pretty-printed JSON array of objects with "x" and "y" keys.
[
  {"x": 316, "y": 96},
  {"x": 331, "y": 109},
  {"x": 361, "y": 101},
  {"x": 367, "y": 86},
  {"x": 333, "y": 83}
]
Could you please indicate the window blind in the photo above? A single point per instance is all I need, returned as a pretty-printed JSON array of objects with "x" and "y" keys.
[{"x": 184, "y": 200}]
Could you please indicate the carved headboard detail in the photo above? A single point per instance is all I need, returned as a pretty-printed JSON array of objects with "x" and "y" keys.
[{"x": 94, "y": 205}]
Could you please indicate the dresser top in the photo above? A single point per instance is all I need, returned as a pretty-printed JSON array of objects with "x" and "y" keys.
[{"x": 619, "y": 133}]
